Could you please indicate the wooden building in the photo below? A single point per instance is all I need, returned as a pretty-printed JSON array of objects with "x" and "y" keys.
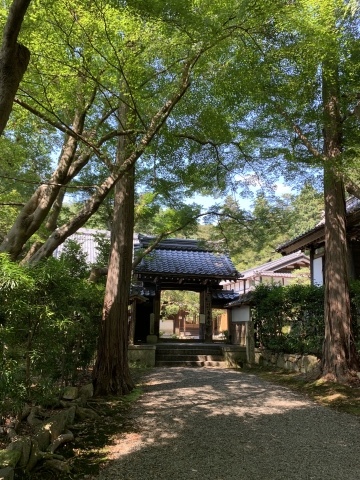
[
  {"x": 281, "y": 271},
  {"x": 313, "y": 241}
]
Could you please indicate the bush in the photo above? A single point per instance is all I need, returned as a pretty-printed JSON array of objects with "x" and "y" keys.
[
  {"x": 291, "y": 319},
  {"x": 49, "y": 320}
]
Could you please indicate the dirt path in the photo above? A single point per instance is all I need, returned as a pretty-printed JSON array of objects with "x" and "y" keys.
[{"x": 227, "y": 425}]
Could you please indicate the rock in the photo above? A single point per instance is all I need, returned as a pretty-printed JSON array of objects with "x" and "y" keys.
[
  {"x": 70, "y": 393},
  {"x": 87, "y": 391},
  {"x": 7, "y": 473},
  {"x": 57, "y": 424},
  {"x": 85, "y": 413},
  {"x": 9, "y": 458},
  {"x": 63, "y": 438},
  {"x": 32, "y": 417},
  {"x": 25, "y": 412},
  {"x": 23, "y": 445},
  {"x": 280, "y": 362},
  {"x": 57, "y": 465},
  {"x": 71, "y": 415}
]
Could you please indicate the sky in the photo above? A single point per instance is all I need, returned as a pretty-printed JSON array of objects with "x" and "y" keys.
[{"x": 208, "y": 201}]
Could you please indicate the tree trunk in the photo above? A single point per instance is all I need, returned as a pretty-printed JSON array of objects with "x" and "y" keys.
[
  {"x": 339, "y": 354},
  {"x": 14, "y": 59},
  {"x": 53, "y": 217},
  {"x": 38, "y": 206},
  {"x": 111, "y": 374}
]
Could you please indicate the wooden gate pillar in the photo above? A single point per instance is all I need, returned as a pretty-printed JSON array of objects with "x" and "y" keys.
[
  {"x": 206, "y": 310},
  {"x": 157, "y": 312},
  {"x": 132, "y": 323}
]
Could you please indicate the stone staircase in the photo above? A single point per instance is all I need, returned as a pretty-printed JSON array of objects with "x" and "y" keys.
[{"x": 194, "y": 355}]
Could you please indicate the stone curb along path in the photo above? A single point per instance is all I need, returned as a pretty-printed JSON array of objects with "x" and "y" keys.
[{"x": 227, "y": 425}]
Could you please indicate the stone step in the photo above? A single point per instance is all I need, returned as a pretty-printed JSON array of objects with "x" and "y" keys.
[
  {"x": 188, "y": 351},
  {"x": 188, "y": 357},
  {"x": 190, "y": 363}
]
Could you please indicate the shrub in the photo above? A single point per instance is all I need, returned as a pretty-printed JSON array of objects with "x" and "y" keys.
[
  {"x": 291, "y": 319},
  {"x": 49, "y": 320}
]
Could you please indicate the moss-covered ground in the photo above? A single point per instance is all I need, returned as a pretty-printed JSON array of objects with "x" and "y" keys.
[{"x": 344, "y": 398}]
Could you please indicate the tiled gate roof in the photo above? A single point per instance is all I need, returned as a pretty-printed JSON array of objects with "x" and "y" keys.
[{"x": 175, "y": 257}]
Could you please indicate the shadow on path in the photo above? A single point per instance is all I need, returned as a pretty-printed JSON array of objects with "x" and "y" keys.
[{"x": 222, "y": 425}]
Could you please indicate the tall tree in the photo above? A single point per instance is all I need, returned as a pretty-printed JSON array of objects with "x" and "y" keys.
[
  {"x": 339, "y": 353},
  {"x": 90, "y": 63},
  {"x": 111, "y": 371},
  {"x": 307, "y": 68}
]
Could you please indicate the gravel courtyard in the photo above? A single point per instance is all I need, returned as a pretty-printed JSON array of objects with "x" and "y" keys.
[{"x": 217, "y": 424}]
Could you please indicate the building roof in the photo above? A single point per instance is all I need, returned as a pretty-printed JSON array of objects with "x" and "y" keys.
[
  {"x": 244, "y": 299},
  {"x": 316, "y": 235},
  {"x": 294, "y": 260},
  {"x": 174, "y": 257},
  {"x": 225, "y": 295},
  {"x": 173, "y": 243}
]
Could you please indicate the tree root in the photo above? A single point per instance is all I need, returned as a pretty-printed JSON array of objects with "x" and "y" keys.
[{"x": 63, "y": 438}]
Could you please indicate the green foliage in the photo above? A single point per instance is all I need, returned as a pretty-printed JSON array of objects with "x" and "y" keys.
[
  {"x": 103, "y": 245},
  {"x": 175, "y": 300},
  {"x": 49, "y": 319},
  {"x": 75, "y": 259},
  {"x": 251, "y": 237},
  {"x": 291, "y": 319},
  {"x": 154, "y": 219}
]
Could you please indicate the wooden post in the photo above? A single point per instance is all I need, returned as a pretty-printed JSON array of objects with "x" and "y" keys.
[
  {"x": 132, "y": 323},
  {"x": 202, "y": 316},
  {"x": 157, "y": 313},
  {"x": 208, "y": 317},
  {"x": 250, "y": 342}
]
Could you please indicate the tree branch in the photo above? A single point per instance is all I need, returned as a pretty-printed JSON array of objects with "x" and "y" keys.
[{"x": 351, "y": 187}]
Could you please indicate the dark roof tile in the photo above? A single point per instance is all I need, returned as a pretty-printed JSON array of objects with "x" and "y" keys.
[{"x": 187, "y": 261}]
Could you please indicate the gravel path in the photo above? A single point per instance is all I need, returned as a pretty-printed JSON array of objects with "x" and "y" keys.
[{"x": 214, "y": 424}]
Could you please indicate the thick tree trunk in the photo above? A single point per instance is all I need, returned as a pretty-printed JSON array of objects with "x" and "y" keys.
[
  {"x": 339, "y": 354},
  {"x": 111, "y": 374},
  {"x": 14, "y": 59}
]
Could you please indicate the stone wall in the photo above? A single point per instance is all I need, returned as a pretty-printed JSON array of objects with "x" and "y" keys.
[
  {"x": 234, "y": 355},
  {"x": 143, "y": 355},
  {"x": 288, "y": 361}
]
